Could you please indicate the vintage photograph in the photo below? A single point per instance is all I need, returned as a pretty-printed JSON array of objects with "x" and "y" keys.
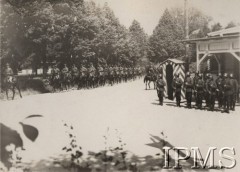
[{"x": 119, "y": 85}]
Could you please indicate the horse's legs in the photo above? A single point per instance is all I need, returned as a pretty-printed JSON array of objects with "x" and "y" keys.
[
  {"x": 19, "y": 91},
  {"x": 146, "y": 85},
  {"x": 13, "y": 90},
  {"x": 7, "y": 93}
]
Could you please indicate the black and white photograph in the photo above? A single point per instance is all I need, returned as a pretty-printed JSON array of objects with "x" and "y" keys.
[{"x": 119, "y": 85}]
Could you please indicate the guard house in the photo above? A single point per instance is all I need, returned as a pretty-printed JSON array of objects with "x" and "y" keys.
[
  {"x": 169, "y": 68},
  {"x": 219, "y": 51}
]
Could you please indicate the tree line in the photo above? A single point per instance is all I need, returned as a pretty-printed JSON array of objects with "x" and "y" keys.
[{"x": 35, "y": 34}]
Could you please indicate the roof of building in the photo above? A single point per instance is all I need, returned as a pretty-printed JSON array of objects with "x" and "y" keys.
[
  {"x": 229, "y": 31},
  {"x": 233, "y": 32},
  {"x": 176, "y": 61}
]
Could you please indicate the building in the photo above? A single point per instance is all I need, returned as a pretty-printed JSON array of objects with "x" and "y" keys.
[
  {"x": 219, "y": 52},
  {"x": 169, "y": 68}
]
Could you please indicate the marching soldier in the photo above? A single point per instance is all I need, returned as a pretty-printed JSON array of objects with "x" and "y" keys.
[
  {"x": 160, "y": 89},
  {"x": 199, "y": 87},
  {"x": 227, "y": 93},
  {"x": 234, "y": 87},
  {"x": 189, "y": 87},
  {"x": 177, "y": 86},
  {"x": 212, "y": 91},
  {"x": 219, "y": 83}
]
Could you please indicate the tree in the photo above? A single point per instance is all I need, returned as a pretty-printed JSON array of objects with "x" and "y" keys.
[
  {"x": 231, "y": 24},
  {"x": 216, "y": 27},
  {"x": 166, "y": 39}
]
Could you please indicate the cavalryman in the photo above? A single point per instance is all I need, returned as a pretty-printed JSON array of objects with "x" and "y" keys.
[
  {"x": 74, "y": 70},
  {"x": 82, "y": 70},
  {"x": 91, "y": 70},
  {"x": 160, "y": 89},
  {"x": 65, "y": 69},
  {"x": 212, "y": 90},
  {"x": 189, "y": 87},
  {"x": 100, "y": 70},
  {"x": 234, "y": 87},
  {"x": 8, "y": 71},
  {"x": 199, "y": 87},
  {"x": 177, "y": 86},
  {"x": 55, "y": 71}
]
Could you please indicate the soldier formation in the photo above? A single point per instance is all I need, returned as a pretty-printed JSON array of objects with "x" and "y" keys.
[
  {"x": 90, "y": 76},
  {"x": 224, "y": 89}
]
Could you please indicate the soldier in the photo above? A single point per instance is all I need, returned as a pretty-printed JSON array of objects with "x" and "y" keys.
[
  {"x": 74, "y": 70},
  {"x": 177, "y": 86},
  {"x": 227, "y": 93},
  {"x": 207, "y": 96},
  {"x": 91, "y": 70},
  {"x": 199, "y": 87},
  {"x": 212, "y": 90},
  {"x": 82, "y": 70},
  {"x": 219, "y": 83},
  {"x": 234, "y": 87},
  {"x": 160, "y": 89},
  {"x": 65, "y": 69},
  {"x": 55, "y": 71},
  {"x": 189, "y": 87},
  {"x": 8, "y": 72},
  {"x": 195, "y": 79}
]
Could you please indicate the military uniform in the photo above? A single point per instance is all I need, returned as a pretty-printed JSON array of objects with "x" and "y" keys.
[
  {"x": 8, "y": 73},
  {"x": 177, "y": 86},
  {"x": 234, "y": 91},
  {"x": 55, "y": 72},
  {"x": 160, "y": 89},
  {"x": 219, "y": 83},
  {"x": 74, "y": 71},
  {"x": 199, "y": 87},
  {"x": 227, "y": 94},
  {"x": 91, "y": 71},
  {"x": 189, "y": 88},
  {"x": 212, "y": 90},
  {"x": 207, "y": 96},
  {"x": 83, "y": 71},
  {"x": 65, "y": 70}
]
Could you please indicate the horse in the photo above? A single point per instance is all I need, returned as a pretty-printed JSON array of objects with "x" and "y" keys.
[
  {"x": 150, "y": 78},
  {"x": 12, "y": 83}
]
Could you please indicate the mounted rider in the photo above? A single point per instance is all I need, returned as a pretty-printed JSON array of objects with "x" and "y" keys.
[
  {"x": 8, "y": 73},
  {"x": 55, "y": 72},
  {"x": 91, "y": 70},
  {"x": 65, "y": 70},
  {"x": 100, "y": 70},
  {"x": 82, "y": 70},
  {"x": 74, "y": 70}
]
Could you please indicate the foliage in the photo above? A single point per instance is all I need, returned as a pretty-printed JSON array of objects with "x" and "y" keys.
[
  {"x": 39, "y": 33},
  {"x": 166, "y": 39}
]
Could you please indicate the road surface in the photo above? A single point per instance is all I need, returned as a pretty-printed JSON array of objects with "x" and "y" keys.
[{"x": 126, "y": 111}]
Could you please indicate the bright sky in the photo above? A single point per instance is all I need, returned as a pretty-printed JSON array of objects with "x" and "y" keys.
[{"x": 148, "y": 12}]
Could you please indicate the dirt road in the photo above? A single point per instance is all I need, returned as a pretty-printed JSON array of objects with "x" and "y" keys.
[{"x": 126, "y": 111}]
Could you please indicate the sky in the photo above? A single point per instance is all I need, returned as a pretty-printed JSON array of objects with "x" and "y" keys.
[{"x": 148, "y": 12}]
